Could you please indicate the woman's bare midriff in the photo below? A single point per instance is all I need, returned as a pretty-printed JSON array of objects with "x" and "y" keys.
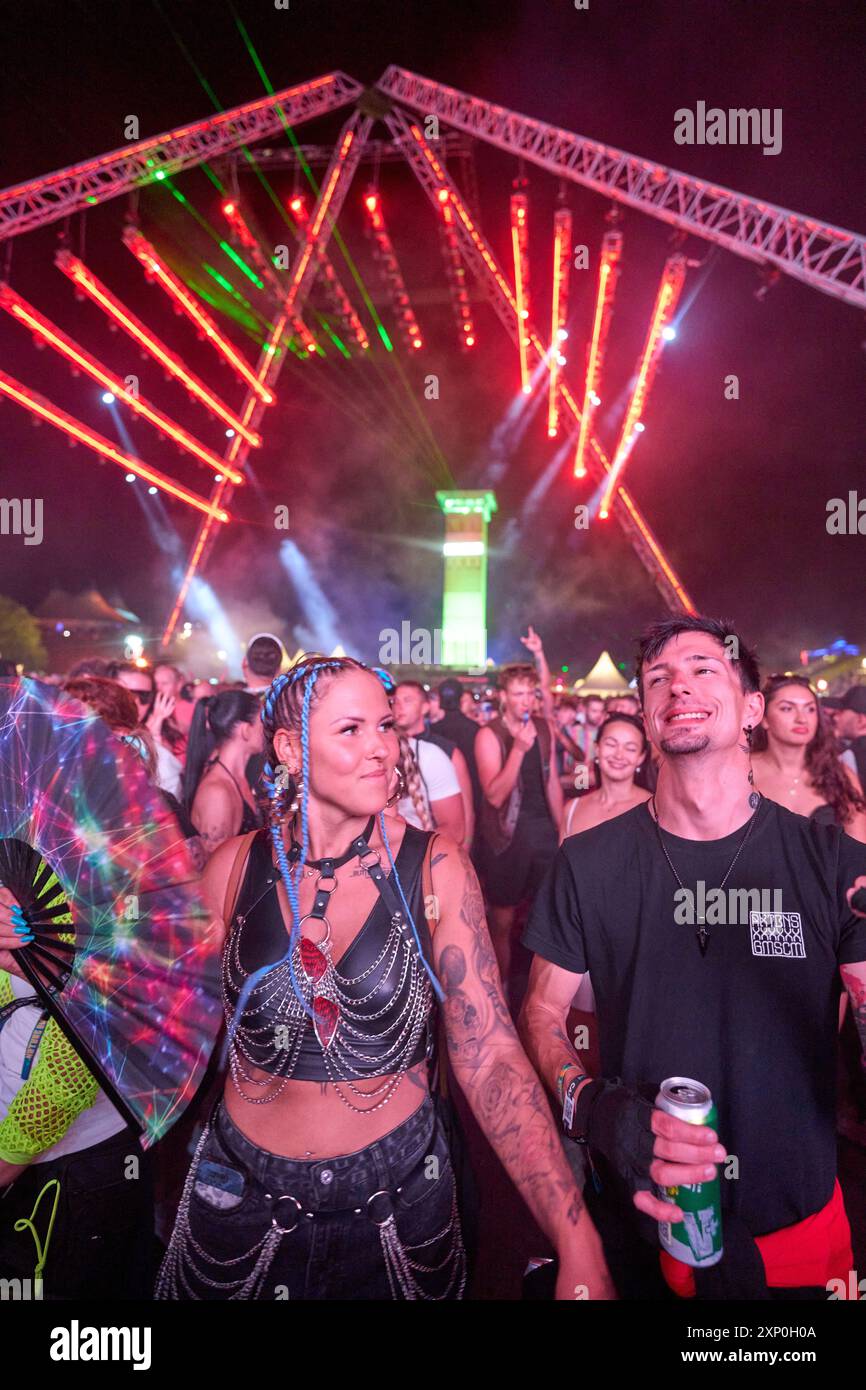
[{"x": 308, "y": 1120}]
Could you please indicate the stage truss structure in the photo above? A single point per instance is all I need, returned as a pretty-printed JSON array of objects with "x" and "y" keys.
[{"x": 824, "y": 257}]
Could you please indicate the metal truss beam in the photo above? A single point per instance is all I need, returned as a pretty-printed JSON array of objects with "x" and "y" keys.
[
  {"x": 480, "y": 258},
  {"x": 44, "y": 200},
  {"x": 823, "y": 256},
  {"x": 453, "y": 145}
]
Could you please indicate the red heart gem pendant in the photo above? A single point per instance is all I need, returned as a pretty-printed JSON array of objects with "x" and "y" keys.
[
  {"x": 326, "y": 1016},
  {"x": 313, "y": 961}
]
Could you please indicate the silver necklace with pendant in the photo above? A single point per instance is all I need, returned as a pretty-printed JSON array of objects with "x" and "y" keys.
[{"x": 702, "y": 934}]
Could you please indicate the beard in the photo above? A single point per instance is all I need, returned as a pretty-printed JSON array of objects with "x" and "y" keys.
[{"x": 692, "y": 742}]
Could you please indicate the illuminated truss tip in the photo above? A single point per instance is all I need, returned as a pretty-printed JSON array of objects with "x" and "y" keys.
[
  {"x": 87, "y": 283},
  {"x": 78, "y": 432},
  {"x": 44, "y": 331}
]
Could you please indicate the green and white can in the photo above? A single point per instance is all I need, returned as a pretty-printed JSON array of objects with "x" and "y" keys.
[{"x": 697, "y": 1239}]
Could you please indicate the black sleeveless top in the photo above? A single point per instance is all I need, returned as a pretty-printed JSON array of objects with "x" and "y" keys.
[{"x": 386, "y": 996}]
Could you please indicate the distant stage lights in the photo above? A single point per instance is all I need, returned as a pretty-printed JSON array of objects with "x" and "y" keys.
[{"x": 108, "y": 398}]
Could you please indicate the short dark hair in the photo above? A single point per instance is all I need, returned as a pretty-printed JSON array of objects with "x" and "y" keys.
[
  {"x": 414, "y": 685},
  {"x": 656, "y": 638},
  {"x": 517, "y": 671},
  {"x": 451, "y": 693},
  {"x": 264, "y": 656}
]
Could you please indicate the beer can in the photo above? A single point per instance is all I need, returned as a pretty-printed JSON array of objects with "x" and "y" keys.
[{"x": 697, "y": 1239}]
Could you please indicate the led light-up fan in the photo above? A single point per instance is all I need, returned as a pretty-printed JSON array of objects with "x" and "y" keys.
[{"x": 124, "y": 956}]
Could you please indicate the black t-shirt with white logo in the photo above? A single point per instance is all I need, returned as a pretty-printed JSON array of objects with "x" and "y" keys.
[{"x": 755, "y": 1018}]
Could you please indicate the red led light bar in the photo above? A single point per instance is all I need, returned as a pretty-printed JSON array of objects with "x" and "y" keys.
[
  {"x": 156, "y": 270},
  {"x": 559, "y": 310},
  {"x": 87, "y": 282},
  {"x": 44, "y": 410},
  {"x": 608, "y": 273},
  {"x": 82, "y": 360},
  {"x": 667, "y": 297},
  {"x": 520, "y": 250},
  {"x": 456, "y": 274}
]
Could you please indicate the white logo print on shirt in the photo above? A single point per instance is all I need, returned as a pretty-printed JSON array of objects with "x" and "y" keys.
[{"x": 777, "y": 934}]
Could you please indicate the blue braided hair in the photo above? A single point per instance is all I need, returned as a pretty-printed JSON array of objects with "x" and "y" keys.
[{"x": 307, "y": 670}]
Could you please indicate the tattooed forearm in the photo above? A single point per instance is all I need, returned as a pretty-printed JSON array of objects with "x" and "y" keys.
[
  {"x": 495, "y": 1075},
  {"x": 509, "y": 1104}
]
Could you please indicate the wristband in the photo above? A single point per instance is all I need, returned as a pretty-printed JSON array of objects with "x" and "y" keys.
[{"x": 568, "y": 1102}]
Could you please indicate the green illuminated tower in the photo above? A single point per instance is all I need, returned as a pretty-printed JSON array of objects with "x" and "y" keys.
[{"x": 464, "y": 595}]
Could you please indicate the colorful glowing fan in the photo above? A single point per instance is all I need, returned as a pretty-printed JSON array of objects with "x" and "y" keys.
[{"x": 124, "y": 955}]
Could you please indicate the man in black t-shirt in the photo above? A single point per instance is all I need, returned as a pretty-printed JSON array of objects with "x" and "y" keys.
[{"x": 715, "y": 926}]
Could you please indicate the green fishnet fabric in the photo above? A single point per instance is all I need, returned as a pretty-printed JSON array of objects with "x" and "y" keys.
[{"x": 58, "y": 1089}]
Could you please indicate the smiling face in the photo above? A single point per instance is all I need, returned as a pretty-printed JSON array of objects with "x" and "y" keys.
[
  {"x": 692, "y": 698},
  {"x": 353, "y": 744},
  {"x": 620, "y": 750},
  {"x": 791, "y": 715}
]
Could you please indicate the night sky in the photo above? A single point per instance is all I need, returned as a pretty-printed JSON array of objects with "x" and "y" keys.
[{"x": 736, "y": 491}]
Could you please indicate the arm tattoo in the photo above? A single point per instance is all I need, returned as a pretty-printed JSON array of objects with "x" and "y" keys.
[
  {"x": 493, "y": 1071},
  {"x": 857, "y": 993}
]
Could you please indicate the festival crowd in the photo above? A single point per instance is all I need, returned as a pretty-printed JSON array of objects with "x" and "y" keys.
[{"x": 426, "y": 893}]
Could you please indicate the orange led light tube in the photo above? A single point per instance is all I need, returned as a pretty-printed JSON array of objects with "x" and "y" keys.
[
  {"x": 44, "y": 410},
  {"x": 520, "y": 249},
  {"x": 82, "y": 360},
  {"x": 88, "y": 284},
  {"x": 607, "y": 277},
  {"x": 667, "y": 297},
  {"x": 559, "y": 310},
  {"x": 156, "y": 269}
]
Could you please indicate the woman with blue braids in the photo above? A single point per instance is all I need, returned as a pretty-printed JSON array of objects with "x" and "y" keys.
[{"x": 324, "y": 1172}]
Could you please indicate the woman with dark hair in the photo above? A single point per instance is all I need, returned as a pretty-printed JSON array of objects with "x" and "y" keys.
[
  {"x": 225, "y": 732},
  {"x": 795, "y": 758},
  {"x": 620, "y": 751},
  {"x": 325, "y": 1172}
]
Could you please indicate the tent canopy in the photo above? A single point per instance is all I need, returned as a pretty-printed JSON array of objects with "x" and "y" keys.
[{"x": 603, "y": 679}]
